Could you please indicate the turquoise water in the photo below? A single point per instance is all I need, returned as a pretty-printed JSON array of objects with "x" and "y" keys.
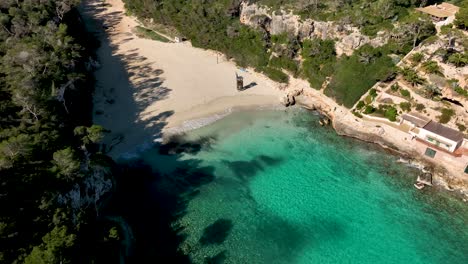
[{"x": 282, "y": 189}]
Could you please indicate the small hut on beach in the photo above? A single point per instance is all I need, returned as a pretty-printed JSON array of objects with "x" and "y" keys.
[{"x": 240, "y": 82}]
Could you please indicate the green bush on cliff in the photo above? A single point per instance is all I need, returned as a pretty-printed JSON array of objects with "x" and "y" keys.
[
  {"x": 276, "y": 75},
  {"x": 355, "y": 74},
  {"x": 319, "y": 61},
  {"x": 284, "y": 63},
  {"x": 446, "y": 115}
]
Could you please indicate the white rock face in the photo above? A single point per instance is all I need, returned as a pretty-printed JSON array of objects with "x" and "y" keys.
[{"x": 347, "y": 38}]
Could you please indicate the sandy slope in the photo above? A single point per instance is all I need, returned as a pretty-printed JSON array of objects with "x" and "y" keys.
[{"x": 146, "y": 87}]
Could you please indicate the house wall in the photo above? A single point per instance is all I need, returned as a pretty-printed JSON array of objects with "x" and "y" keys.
[{"x": 438, "y": 140}]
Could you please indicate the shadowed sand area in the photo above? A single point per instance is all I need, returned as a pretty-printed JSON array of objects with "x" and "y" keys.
[{"x": 146, "y": 87}]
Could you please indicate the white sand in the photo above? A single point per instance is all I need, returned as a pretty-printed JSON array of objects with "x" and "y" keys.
[
  {"x": 157, "y": 87},
  {"x": 146, "y": 87}
]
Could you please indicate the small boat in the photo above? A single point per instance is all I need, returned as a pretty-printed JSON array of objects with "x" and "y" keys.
[{"x": 419, "y": 185}]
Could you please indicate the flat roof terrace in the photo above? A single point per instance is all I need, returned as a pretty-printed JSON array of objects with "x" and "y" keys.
[{"x": 443, "y": 10}]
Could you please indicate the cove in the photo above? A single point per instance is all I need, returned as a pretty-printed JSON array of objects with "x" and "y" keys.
[{"x": 275, "y": 187}]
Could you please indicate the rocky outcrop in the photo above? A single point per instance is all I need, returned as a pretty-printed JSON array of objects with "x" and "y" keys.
[
  {"x": 289, "y": 99},
  {"x": 278, "y": 22}
]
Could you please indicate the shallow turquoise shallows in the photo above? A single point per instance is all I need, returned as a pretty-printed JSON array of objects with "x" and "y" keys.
[{"x": 286, "y": 190}]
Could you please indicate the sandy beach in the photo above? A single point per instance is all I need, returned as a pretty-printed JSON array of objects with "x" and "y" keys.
[{"x": 146, "y": 88}]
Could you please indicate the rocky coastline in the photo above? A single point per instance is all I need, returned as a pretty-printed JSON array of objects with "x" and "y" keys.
[{"x": 346, "y": 124}]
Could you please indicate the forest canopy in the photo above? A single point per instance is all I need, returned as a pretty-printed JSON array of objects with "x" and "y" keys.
[{"x": 51, "y": 173}]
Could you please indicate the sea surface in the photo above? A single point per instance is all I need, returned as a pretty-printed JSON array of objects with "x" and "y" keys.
[{"x": 276, "y": 187}]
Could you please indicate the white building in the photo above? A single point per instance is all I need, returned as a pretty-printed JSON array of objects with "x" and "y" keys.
[{"x": 434, "y": 133}]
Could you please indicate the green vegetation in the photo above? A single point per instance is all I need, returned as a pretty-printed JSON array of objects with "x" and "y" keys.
[
  {"x": 360, "y": 105},
  {"x": 405, "y": 106},
  {"x": 150, "y": 34},
  {"x": 461, "y": 91},
  {"x": 52, "y": 174},
  {"x": 420, "y": 107},
  {"x": 432, "y": 67},
  {"x": 461, "y": 18},
  {"x": 284, "y": 63},
  {"x": 391, "y": 113},
  {"x": 384, "y": 110},
  {"x": 355, "y": 74},
  {"x": 357, "y": 114},
  {"x": 405, "y": 93},
  {"x": 461, "y": 127},
  {"x": 416, "y": 58},
  {"x": 446, "y": 115},
  {"x": 411, "y": 76},
  {"x": 369, "y": 109},
  {"x": 458, "y": 59},
  {"x": 319, "y": 61},
  {"x": 276, "y": 75}
]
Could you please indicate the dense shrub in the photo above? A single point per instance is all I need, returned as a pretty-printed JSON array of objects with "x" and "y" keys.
[
  {"x": 391, "y": 113},
  {"x": 360, "y": 105},
  {"x": 405, "y": 106},
  {"x": 461, "y": 20},
  {"x": 417, "y": 57},
  {"x": 446, "y": 115},
  {"x": 405, "y": 93},
  {"x": 420, "y": 107},
  {"x": 461, "y": 127},
  {"x": 319, "y": 60},
  {"x": 458, "y": 59},
  {"x": 461, "y": 91},
  {"x": 432, "y": 67},
  {"x": 276, "y": 75},
  {"x": 354, "y": 75},
  {"x": 411, "y": 76},
  {"x": 284, "y": 63},
  {"x": 369, "y": 109}
]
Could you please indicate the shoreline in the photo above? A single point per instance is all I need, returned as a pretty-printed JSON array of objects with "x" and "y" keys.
[
  {"x": 442, "y": 176},
  {"x": 145, "y": 87},
  {"x": 180, "y": 108},
  {"x": 205, "y": 119}
]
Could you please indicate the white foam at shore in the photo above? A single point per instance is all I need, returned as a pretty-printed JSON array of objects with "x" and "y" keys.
[
  {"x": 188, "y": 126},
  {"x": 197, "y": 123},
  {"x": 204, "y": 121}
]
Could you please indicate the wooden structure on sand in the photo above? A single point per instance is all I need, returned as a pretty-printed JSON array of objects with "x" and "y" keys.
[{"x": 240, "y": 82}]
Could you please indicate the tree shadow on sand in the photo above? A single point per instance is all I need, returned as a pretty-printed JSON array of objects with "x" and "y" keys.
[
  {"x": 127, "y": 84},
  {"x": 147, "y": 203}
]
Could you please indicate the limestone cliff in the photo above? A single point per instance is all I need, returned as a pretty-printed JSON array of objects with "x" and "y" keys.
[{"x": 348, "y": 38}]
